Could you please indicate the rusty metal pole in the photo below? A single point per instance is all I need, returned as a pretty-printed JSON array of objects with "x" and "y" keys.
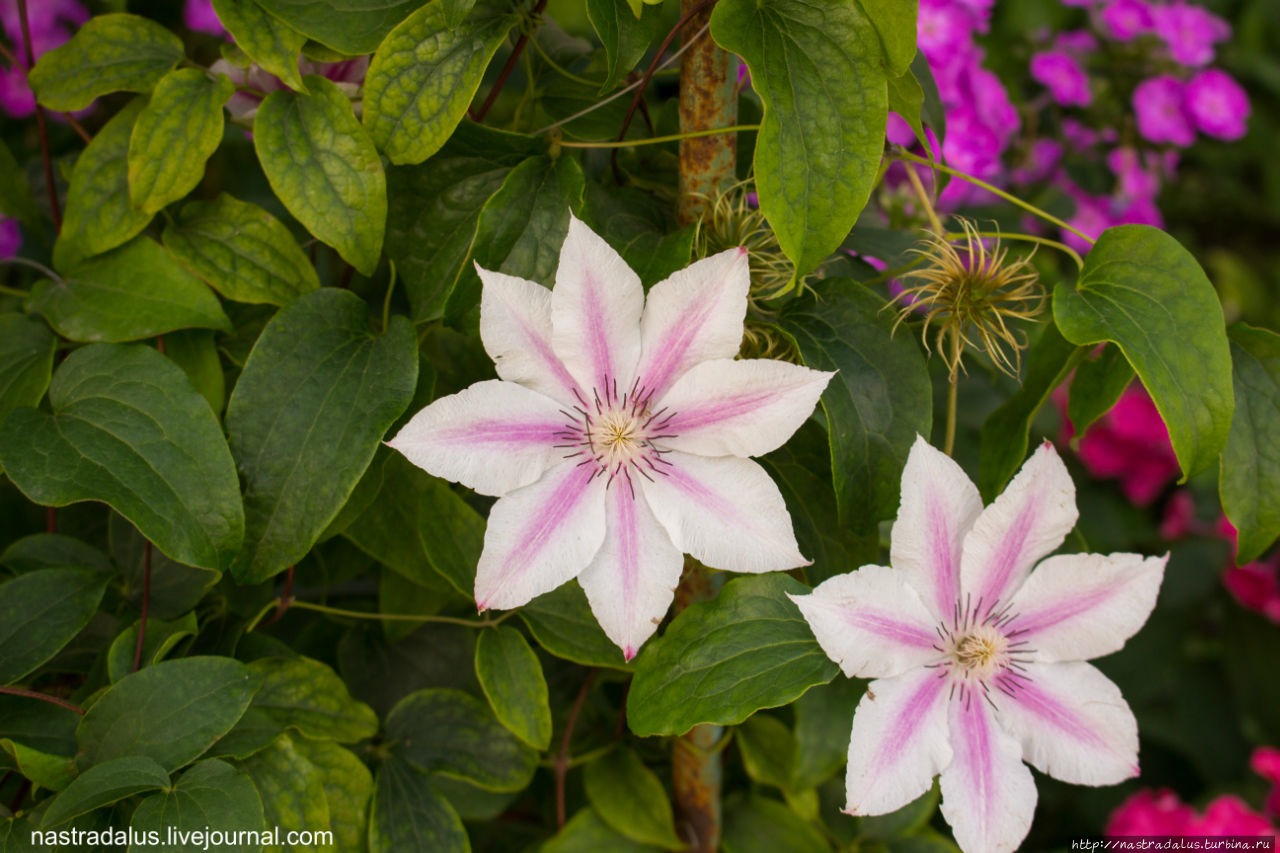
[{"x": 708, "y": 99}]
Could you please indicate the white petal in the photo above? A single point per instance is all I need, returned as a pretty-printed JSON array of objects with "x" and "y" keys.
[
  {"x": 1082, "y": 606},
  {"x": 899, "y": 742},
  {"x": 988, "y": 795},
  {"x": 726, "y": 512},
  {"x": 595, "y": 313},
  {"x": 1072, "y": 723},
  {"x": 939, "y": 506},
  {"x": 1028, "y": 521},
  {"x": 693, "y": 316},
  {"x": 738, "y": 408},
  {"x": 632, "y": 580},
  {"x": 493, "y": 437},
  {"x": 870, "y": 622},
  {"x": 515, "y": 325},
  {"x": 540, "y": 536}
]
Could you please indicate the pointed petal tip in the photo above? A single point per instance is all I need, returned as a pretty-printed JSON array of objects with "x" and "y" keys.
[{"x": 628, "y": 653}]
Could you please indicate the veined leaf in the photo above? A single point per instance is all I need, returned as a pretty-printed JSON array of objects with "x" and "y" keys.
[
  {"x": 109, "y": 53},
  {"x": 1250, "y": 477}
]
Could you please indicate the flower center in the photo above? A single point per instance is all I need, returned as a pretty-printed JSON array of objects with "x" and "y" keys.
[
  {"x": 981, "y": 653},
  {"x": 617, "y": 434}
]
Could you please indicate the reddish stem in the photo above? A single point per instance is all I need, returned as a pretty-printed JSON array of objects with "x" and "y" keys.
[
  {"x": 50, "y": 519},
  {"x": 31, "y": 694},
  {"x": 146, "y": 600},
  {"x": 479, "y": 114},
  {"x": 40, "y": 123},
  {"x": 286, "y": 598},
  {"x": 562, "y": 757}
]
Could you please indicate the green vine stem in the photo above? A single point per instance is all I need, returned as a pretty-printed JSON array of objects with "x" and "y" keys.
[{"x": 674, "y": 137}]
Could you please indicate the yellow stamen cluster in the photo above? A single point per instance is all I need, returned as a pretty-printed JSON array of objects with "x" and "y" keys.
[{"x": 981, "y": 652}]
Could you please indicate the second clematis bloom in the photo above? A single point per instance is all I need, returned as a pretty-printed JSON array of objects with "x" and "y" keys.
[
  {"x": 978, "y": 660},
  {"x": 616, "y": 439}
]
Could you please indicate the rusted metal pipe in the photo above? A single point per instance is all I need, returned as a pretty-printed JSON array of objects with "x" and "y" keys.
[{"x": 708, "y": 99}]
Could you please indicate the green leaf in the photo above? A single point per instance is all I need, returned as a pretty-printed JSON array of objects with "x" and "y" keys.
[
  {"x": 397, "y": 594},
  {"x": 523, "y": 226},
  {"x": 269, "y": 41},
  {"x": 418, "y": 525},
  {"x": 563, "y": 624},
  {"x": 54, "y": 772},
  {"x": 308, "y": 696},
  {"x": 456, "y": 11},
  {"x": 128, "y": 429},
  {"x": 342, "y": 387},
  {"x": 817, "y": 69},
  {"x": 802, "y": 470},
  {"x": 26, "y": 361},
  {"x": 40, "y": 612},
  {"x": 756, "y": 824},
  {"x": 174, "y": 135},
  {"x": 136, "y": 291},
  {"x": 196, "y": 353},
  {"x": 104, "y": 784},
  {"x": 447, "y": 731},
  {"x": 434, "y": 209},
  {"x": 1143, "y": 291},
  {"x": 322, "y": 165},
  {"x": 255, "y": 731},
  {"x": 161, "y": 637},
  {"x": 586, "y": 832},
  {"x": 906, "y": 98},
  {"x": 243, "y": 252},
  {"x": 99, "y": 214},
  {"x": 16, "y": 199},
  {"x": 348, "y": 785},
  {"x": 722, "y": 660},
  {"x": 425, "y": 74},
  {"x": 42, "y": 726},
  {"x": 512, "y": 680},
  {"x": 292, "y": 792},
  {"x": 636, "y": 224},
  {"x": 170, "y": 712},
  {"x": 351, "y": 27},
  {"x": 175, "y": 587},
  {"x": 1250, "y": 475},
  {"x": 895, "y": 23},
  {"x": 109, "y": 53},
  {"x": 625, "y": 33},
  {"x": 627, "y": 796},
  {"x": 768, "y": 750},
  {"x": 212, "y": 794},
  {"x": 1006, "y": 430},
  {"x": 1096, "y": 386},
  {"x": 877, "y": 403},
  {"x": 408, "y": 814},
  {"x": 52, "y": 551},
  {"x": 907, "y": 819},
  {"x": 824, "y": 718}
]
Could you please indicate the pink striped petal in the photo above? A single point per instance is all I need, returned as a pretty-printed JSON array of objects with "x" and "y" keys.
[
  {"x": 595, "y": 313},
  {"x": 738, "y": 408},
  {"x": 939, "y": 506},
  {"x": 693, "y": 316},
  {"x": 515, "y": 325},
  {"x": 726, "y": 512},
  {"x": 632, "y": 580},
  {"x": 871, "y": 623},
  {"x": 1027, "y": 522},
  {"x": 493, "y": 437},
  {"x": 1072, "y": 723},
  {"x": 988, "y": 795},
  {"x": 1082, "y": 606},
  {"x": 540, "y": 536},
  {"x": 899, "y": 742}
]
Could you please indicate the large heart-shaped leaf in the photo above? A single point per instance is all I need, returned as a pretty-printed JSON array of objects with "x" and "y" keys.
[
  {"x": 104, "y": 784},
  {"x": 1250, "y": 477},
  {"x": 424, "y": 75},
  {"x": 722, "y": 660},
  {"x": 1141, "y": 290},
  {"x": 212, "y": 794},
  {"x": 351, "y": 27},
  {"x": 316, "y": 396},
  {"x": 818, "y": 70},
  {"x": 322, "y": 165},
  {"x": 109, "y": 53},
  {"x": 127, "y": 428}
]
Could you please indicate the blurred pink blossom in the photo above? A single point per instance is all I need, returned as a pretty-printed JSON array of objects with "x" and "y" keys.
[
  {"x": 1190, "y": 31},
  {"x": 1217, "y": 104},
  {"x": 1162, "y": 813},
  {"x": 198, "y": 15},
  {"x": 1162, "y": 116},
  {"x": 52, "y": 23},
  {"x": 1130, "y": 443},
  {"x": 10, "y": 237},
  {"x": 1128, "y": 19},
  {"x": 1064, "y": 77},
  {"x": 1265, "y": 761}
]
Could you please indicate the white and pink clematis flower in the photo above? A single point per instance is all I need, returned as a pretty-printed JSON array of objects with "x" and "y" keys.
[
  {"x": 616, "y": 437},
  {"x": 977, "y": 659}
]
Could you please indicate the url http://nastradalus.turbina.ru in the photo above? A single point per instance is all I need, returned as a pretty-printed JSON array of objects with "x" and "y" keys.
[{"x": 169, "y": 836}]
